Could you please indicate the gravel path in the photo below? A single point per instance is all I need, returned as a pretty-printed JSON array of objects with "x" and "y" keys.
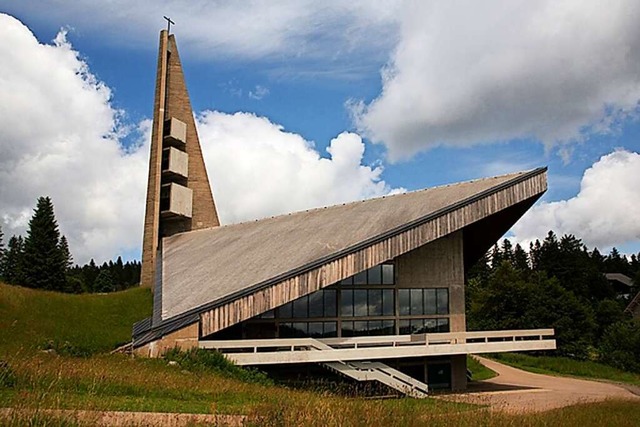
[{"x": 517, "y": 391}]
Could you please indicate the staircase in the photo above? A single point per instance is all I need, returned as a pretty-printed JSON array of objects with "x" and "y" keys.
[{"x": 375, "y": 371}]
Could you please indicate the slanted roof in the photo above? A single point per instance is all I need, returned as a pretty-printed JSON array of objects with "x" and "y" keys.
[
  {"x": 620, "y": 278},
  {"x": 205, "y": 266}
]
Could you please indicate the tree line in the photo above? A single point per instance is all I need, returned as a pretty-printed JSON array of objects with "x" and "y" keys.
[
  {"x": 558, "y": 283},
  {"x": 42, "y": 260}
]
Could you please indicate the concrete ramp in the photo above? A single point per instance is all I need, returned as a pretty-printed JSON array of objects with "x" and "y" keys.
[{"x": 376, "y": 371}]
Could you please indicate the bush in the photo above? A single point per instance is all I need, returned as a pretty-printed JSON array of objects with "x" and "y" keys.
[
  {"x": 201, "y": 360},
  {"x": 65, "y": 348},
  {"x": 620, "y": 345}
]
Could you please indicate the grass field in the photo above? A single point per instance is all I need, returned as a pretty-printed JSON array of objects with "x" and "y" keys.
[
  {"x": 567, "y": 367},
  {"x": 76, "y": 324},
  {"x": 479, "y": 372},
  {"x": 80, "y": 374}
]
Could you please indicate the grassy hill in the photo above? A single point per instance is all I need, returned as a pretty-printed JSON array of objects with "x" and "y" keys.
[
  {"x": 74, "y": 324},
  {"x": 91, "y": 325}
]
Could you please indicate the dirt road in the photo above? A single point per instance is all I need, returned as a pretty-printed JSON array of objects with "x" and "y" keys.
[{"x": 517, "y": 391}]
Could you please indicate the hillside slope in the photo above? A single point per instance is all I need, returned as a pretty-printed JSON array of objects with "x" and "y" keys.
[{"x": 77, "y": 324}]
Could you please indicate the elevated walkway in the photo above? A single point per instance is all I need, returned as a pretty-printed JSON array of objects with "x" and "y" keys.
[{"x": 354, "y": 356}]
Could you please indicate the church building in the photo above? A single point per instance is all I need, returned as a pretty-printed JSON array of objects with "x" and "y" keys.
[{"x": 372, "y": 290}]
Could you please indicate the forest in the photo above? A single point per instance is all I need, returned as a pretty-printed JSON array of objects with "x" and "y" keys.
[
  {"x": 559, "y": 283},
  {"x": 42, "y": 260}
]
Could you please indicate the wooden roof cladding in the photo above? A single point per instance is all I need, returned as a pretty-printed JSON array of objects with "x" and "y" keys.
[{"x": 229, "y": 274}]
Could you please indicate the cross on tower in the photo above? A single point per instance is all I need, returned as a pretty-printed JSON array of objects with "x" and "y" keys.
[{"x": 169, "y": 22}]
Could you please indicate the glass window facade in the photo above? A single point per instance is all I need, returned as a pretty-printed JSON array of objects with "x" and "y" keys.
[{"x": 366, "y": 304}]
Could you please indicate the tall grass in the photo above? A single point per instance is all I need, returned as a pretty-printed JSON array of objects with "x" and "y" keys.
[{"x": 78, "y": 325}]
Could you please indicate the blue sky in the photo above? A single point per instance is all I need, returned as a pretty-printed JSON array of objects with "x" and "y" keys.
[{"x": 433, "y": 93}]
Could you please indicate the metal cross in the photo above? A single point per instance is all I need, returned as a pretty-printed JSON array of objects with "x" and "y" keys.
[{"x": 169, "y": 22}]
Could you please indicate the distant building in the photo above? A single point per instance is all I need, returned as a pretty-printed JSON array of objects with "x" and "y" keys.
[
  {"x": 373, "y": 290},
  {"x": 621, "y": 284}
]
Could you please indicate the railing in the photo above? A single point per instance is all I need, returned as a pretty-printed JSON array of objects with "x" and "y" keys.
[{"x": 296, "y": 350}]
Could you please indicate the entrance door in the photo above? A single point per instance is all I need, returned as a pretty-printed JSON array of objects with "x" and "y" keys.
[{"x": 439, "y": 376}]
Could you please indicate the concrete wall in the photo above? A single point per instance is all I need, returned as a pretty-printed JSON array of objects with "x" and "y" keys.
[
  {"x": 184, "y": 339},
  {"x": 437, "y": 265}
]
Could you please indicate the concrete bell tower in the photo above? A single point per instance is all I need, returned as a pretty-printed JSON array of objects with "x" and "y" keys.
[{"x": 179, "y": 196}]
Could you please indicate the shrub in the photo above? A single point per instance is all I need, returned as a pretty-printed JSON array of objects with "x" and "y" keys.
[{"x": 201, "y": 360}]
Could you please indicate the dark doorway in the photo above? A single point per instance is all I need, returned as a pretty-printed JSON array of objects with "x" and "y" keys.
[{"x": 439, "y": 376}]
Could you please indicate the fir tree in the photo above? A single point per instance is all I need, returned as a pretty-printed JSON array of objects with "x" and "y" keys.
[
  {"x": 12, "y": 265},
  {"x": 44, "y": 263},
  {"x": 66, "y": 253},
  {"x": 104, "y": 282},
  {"x": 520, "y": 259}
]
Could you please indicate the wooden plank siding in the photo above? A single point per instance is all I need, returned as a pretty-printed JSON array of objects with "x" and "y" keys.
[{"x": 263, "y": 300}]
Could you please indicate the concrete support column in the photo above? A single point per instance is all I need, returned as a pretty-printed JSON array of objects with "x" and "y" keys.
[{"x": 458, "y": 372}]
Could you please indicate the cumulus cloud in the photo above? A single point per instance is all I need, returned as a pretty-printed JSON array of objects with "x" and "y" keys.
[
  {"x": 258, "y": 169},
  {"x": 603, "y": 213},
  {"x": 467, "y": 72},
  {"x": 61, "y": 137},
  {"x": 249, "y": 29}
]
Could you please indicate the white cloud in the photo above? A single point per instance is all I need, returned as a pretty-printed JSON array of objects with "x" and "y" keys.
[
  {"x": 258, "y": 169},
  {"x": 59, "y": 136},
  {"x": 467, "y": 72},
  {"x": 602, "y": 214},
  {"x": 258, "y": 93},
  {"x": 249, "y": 29}
]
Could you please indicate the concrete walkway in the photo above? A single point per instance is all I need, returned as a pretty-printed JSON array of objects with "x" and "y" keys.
[{"x": 518, "y": 391}]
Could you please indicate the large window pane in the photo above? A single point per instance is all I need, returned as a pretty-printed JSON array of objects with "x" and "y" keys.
[
  {"x": 430, "y": 301},
  {"x": 330, "y": 329},
  {"x": 360, "y": 278},
  {"x": 387, "y": 274},
  {"x": 315, "y": 304},
  {"x": 430, "y": 326},
  {"x": 300, "y": 329},
  {"x": 388, "y": 327},
  {"x": 347, "y": 281},
  {"x": 404, "y": 301},
  {"x": 300, "y": 307},
  {"x": 374, "y": 275},
  {"x": 405, "y": 327},
  {"x": 388, "y": 303},
  {"x": 360, "y": 328},
  {"x": 416, "y": 302},
  {"x": 330, "y": 302},
  {"x": 417, "y": 326},
  {"x": 360, "y": 302},
  {"x": 443, "y": 325},
  {"x": 347, "y": 329},
  {"x": 268, "y": 315},
  {"x": 286, "y": 330},
  {"x": 315, "y": 329},
  {"x": 346, "y": 306},
  {"x": 443, "y": 301},
  {"x": 285, "y": 311},
  {"x": 375, "y": 327},
  {"x": 375, "y": 302}
]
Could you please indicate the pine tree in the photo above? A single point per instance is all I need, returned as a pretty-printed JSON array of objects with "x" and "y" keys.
[
  {"x": 44, "y": 263},
  {"x": 520, "y": 259},
  {"x": 66, "y": 253},
  {"x": 104, "y": 282},
  {"x": 14, "y": 261}
]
